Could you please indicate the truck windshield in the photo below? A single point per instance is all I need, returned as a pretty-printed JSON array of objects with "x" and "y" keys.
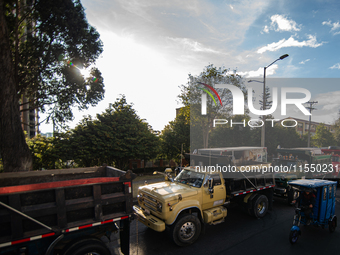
[{"x": 190, "y": 178}]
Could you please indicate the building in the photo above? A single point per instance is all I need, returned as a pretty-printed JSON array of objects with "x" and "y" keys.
[{"x": 303, "y": 126}]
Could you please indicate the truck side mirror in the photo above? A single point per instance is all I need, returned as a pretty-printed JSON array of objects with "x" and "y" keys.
[
  {"x": 168, "y": 170},
  {"x": 211, "y": 185}
]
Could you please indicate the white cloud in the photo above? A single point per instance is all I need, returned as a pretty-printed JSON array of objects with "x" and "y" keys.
[
  {"x": 291, "y": 42},
  {"x": 231, "y": 7},
  {"x": 304, "y": 61},
  {"x": 259, "y": 72},
  {"x": 334, "y": 26},
  {"x": 335, "y": 66},
  {"x": 193, "y": 45},
  {"x": 266, "y": 29},
  {"x": 327, "y": 107},
  {"x": 329, "y": 101},
  {"x": 281, "y": 23}
]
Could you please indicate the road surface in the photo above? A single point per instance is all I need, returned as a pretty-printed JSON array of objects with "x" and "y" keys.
[{"x": 240, "y": 234}]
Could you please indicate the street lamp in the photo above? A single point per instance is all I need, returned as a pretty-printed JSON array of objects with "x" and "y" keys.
[{"x": 263, "y": 130}]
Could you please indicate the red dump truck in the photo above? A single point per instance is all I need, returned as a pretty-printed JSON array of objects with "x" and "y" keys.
[{"x": 65, "y": 211}]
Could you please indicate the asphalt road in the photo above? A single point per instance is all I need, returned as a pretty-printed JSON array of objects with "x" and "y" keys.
[{"x": 241, "y": 234}]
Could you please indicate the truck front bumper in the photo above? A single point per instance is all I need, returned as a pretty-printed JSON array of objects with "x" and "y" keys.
[{"x": 149, "y": 220}]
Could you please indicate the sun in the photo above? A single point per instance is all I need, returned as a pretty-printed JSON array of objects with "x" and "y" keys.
[{"x": 85, "y": 72}]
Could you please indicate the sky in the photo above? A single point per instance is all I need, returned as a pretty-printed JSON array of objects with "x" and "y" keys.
[{"x": 151, "y": 46}]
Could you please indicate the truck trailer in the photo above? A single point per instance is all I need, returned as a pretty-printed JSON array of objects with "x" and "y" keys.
[{"x": 64, "y": 211}]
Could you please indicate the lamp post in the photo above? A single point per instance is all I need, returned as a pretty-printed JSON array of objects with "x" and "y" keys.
[{"x": 263, "y": 130}]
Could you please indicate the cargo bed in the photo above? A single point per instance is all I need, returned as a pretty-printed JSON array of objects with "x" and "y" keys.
[{"x": 46, "y": 204}]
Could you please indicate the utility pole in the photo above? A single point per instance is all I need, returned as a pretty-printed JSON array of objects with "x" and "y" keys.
[
  {"x": 263, "y": 129},
  {"x": 310, "y": 118}
]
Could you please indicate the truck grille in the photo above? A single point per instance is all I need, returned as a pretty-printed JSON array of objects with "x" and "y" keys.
[{"x": 149, "y": 202}]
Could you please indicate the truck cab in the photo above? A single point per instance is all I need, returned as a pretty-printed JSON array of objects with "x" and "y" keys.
[{"x": 183, "y": 204}]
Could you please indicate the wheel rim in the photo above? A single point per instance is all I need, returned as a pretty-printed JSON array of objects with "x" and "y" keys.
[
  {"x": 261, "y": 207},
  {"x": 187, "y": 231}
]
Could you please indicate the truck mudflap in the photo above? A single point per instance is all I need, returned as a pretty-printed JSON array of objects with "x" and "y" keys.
[{"x": 149, "y": 220}]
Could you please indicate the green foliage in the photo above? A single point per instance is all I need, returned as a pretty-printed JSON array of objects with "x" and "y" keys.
[
  {"x": 175, "y": 135},
  {"x": 43, "y": 45},
  {"x": 51, "y": 41},
  {"x": 268, "y": 99},
  {"x": 323, "y": 137},
  {"x": 202, "y": 125},
  {"x": 51, "y": 152},
  {"x": 336, "y": 128},
  {"x": 237, "y": 135},
  {"x": 286, "y": 137},
  {"x": 114, "y": 137}
]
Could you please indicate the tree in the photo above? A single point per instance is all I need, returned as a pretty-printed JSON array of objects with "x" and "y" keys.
[
  {"x": 336, "y": 127},
  {"x": 43, "y": 45},
  {"x": 267, "y": 97},
  {"x": 176, "y": 134},
  {"x": 50, "y": 153},
  {"x": 201, "y": 125},
  {"x": 286, "y": 137},
  {"x": 323, "y": 137},
  {"x": 114, "y": 137},
  {"x": 232, "y": 136}
]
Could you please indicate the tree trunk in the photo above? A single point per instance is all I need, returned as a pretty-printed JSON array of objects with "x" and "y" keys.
[{"x": 13, "y": 148}]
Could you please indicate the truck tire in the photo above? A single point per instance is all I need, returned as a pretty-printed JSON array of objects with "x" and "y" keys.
[
  {"x": 260, "y": 206},
  {"x": 186, "y": 230},
  {"x": 87, "y": 246}
]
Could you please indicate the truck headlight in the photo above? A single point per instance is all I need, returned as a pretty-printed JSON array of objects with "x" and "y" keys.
[
  {"x": 140, "y": 197},
  {"x": 159, "y": 206}
]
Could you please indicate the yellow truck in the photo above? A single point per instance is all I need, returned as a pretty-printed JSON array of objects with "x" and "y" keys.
[{"x": 199, "y": 196}]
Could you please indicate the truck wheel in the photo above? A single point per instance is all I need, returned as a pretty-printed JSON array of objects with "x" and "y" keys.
[
  {"x": 292, "y": 195},
  {"x": 260, "y": 206},
  {"x": 186, "y": 230},
  {"x": 87, "y": 246}
]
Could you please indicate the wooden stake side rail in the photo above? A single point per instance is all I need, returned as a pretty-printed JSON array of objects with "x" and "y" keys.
[{"x": 100, "y": 206}]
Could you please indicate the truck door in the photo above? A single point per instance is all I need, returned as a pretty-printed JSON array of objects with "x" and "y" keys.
[{"x": 218, "y": 196}]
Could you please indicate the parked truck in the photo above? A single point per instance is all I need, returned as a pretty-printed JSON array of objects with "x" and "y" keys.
[
  {"x": 64, "y": 211},
  {"x": 297, "y": 163},
  {"x": 200, "y": 195},
  {"x": 334, "y": 151}
]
